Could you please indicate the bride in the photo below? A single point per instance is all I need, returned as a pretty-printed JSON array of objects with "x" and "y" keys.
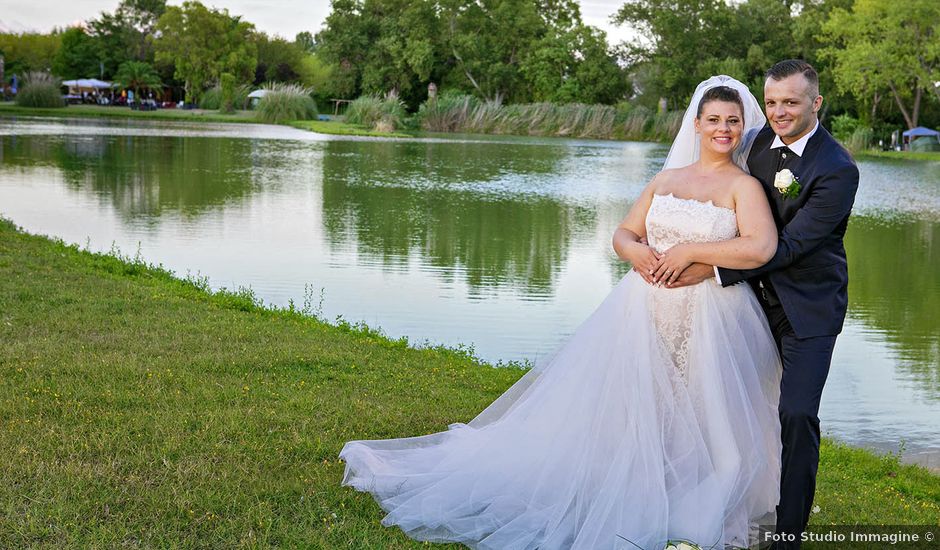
[{"x": 657, "y": 420}]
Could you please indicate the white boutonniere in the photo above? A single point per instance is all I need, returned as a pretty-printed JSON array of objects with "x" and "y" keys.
[
  {"x": 681, "y": 545},
  {"x": 787, "y": 183}
]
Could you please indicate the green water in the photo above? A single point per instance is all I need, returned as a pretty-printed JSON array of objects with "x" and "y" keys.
[{"x": 502, "y": 244}]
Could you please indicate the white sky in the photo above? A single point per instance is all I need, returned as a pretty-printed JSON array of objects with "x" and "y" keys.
[{"x": 282, "y": 17}]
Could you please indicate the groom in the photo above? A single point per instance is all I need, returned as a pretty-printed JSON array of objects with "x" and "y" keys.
[{"x": 810, "y": 181}]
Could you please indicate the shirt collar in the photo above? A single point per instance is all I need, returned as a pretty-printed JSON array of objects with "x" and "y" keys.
[{"x": 797, "y": 146}]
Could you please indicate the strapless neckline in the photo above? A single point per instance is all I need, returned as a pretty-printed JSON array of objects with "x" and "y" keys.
[{"x": 709, "y": 202}]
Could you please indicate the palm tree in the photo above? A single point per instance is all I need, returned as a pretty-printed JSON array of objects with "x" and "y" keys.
[{"x": 136, "y": 75}]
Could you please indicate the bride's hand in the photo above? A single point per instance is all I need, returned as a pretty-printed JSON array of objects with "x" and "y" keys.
[
  {"x": 672, "y": 263},
  {"x": 645, "y": 260}
]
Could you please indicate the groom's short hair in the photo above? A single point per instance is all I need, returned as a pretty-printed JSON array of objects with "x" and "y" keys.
[{"x": 789, "y": 67}]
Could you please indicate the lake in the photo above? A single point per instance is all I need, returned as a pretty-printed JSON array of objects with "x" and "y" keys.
[{"x": 499, "y": 244}]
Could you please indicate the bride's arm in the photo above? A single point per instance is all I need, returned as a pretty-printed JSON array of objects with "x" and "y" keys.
[
  {"x": 753, "y": 248},
  {"x": 626, "y": 240}
]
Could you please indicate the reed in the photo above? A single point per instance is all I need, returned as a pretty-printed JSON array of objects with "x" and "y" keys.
[
  {"x": 212, "y": 98},
  {"x": 40, "y": 89},
  {"x": 381, "y": 114},
  {"x": 286, "y": 102},
  {"x": 466, "y": 114}
]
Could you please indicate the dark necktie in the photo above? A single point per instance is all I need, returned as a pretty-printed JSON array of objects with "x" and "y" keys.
[{"x": 784, "y": 157}]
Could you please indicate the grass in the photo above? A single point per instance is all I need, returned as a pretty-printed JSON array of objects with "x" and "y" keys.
[
  {"x": 900, "y": 155},
  {"x": 40, "y": 90},
  {"x": 338, "y": 128},
  {"x": 286, "y": 102},
  {"x": 140, "y": 409},
  {"x": 102, "y": 111},
  {"x": 380, "y": 114},
  {"x": 194, "y": 115}
]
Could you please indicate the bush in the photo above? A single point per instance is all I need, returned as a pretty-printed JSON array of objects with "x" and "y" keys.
[
  {"x": 40, "y": 90},
  {"x": 212, "y": 98},
  {"x": 384, "y": 115},
  {"x": 283, "y": 102},
  {"x": 860, "y": 140},
  {"x": 843, "y": 126},
  {"x": 227, "y": 83}
]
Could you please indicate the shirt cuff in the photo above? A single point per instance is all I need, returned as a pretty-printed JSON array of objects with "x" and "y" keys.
[{"x": 717, "y": 276}]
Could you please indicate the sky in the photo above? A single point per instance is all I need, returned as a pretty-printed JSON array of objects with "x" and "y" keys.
[{"x": 282, "y": 17}]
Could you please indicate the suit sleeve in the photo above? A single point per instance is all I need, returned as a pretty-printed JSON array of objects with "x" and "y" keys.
[{"x": 827, "y": 206}]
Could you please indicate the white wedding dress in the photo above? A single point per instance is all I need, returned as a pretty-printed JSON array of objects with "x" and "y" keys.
[{"x": 656, "y": 421}]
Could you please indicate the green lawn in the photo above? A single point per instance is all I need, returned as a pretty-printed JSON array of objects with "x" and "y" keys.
[
  {"x": 193, "y": 115},
  {"x": 902, "y": 155},
  {"x": 138, "y": 409}
]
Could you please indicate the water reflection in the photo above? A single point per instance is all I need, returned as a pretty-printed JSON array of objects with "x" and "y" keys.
[
  {"x": 394, "y": 201},
  {"x": 895, "y": 290}
]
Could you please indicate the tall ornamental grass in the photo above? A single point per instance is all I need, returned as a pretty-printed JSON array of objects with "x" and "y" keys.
[
  {"x": 284, "y": 102},
  {"x": 381, "y": 114},
  {"x": 465, "y": 113},
  {"x": 40, "y": 90},
  {"x": 212, "y": 98}
]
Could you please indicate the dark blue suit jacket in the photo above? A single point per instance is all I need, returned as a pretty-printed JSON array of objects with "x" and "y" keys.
[{"x": 808, "y": 271}]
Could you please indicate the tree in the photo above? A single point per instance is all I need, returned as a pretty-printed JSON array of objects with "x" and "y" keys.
[
  {"x": 136, "y": 75},
  {"x": 887, "y": 47},
  {"x": 574, "y": 66},
  {"x": 679, "y": 36},
  {"x": 128, "y": 33},
  {"x": 77, "y": 56},
  {"x": 304, "y": 40},
  {"x": 203, "y": 43},
  {"x": 278, "y": 59},
  {"x": 28, "y": 51},
  {"x": 382, "y": 45}
]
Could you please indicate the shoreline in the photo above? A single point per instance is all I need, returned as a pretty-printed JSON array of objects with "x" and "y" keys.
[
  {"x": 333, "y": 127},
  {"x": 143, "y": 406}
]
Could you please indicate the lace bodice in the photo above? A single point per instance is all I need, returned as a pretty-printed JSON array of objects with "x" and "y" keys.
[{"x": 670, "y": 221}]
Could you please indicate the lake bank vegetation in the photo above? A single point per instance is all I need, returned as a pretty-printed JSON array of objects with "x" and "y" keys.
[{"x": 520, "y": 67}]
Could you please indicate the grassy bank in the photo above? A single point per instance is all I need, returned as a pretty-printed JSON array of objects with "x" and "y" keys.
[
  {"x": 900, "y": 155},
  {"x": 193, "y": 115},
  {"x": 138, "y": 409}
]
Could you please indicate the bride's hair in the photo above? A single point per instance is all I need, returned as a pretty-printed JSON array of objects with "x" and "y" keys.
[{"x": 719, "y": 93}]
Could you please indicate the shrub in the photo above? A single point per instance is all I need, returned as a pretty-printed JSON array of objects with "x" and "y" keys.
[
  {"x": 211, "y": 99},
  {"x": 40, "y": 90},
  {"x": 843, "y": 126},
  {"x": 860, "y": 139},
  {"x": 449, "y": 112},
  {"x": 227, "y": 83},
  {"x": 284, "y": 102},
  {"x": 384, "y": 115}
]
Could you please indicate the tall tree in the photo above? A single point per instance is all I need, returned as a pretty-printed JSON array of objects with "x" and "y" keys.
[
  {"x": 677, "y": 37},
  {"x": 203, "y": 43},
  {"x": 890, "y": 47},
  {"x": 28, "y": 51},
  {"x": 127, "y": 33},
  {"x": 278, "y": 59},
  {"x": 77, "y": 56}
]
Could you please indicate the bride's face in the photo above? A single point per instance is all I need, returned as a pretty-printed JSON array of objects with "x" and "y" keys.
[{"x": 720, "y": 126}]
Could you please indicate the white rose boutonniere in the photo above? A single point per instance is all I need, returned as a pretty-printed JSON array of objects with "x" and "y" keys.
[{"x": 787, "y": 183}]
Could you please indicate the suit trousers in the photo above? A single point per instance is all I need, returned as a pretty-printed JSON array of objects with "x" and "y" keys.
[{"x": 805, "y": 368}]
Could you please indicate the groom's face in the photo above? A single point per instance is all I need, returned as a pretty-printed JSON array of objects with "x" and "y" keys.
[{"x": 791, "y": 105}]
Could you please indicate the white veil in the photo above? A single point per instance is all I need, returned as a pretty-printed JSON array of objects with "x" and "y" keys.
[{"x": 685, "y": 148}]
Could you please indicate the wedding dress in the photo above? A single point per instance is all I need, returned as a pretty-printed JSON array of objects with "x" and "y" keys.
[{"x": 655, "y": 421}]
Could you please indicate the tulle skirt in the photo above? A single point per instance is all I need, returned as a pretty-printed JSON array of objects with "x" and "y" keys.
[{"x": 657, "y": 420}]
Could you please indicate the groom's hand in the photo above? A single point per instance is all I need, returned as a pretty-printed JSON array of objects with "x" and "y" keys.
[{"x": 693, "y": 275}]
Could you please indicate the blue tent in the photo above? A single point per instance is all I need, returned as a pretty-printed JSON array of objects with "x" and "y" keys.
[
  {"x": 920, "y": 131},
  {"x": 921, "y": 139}
]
